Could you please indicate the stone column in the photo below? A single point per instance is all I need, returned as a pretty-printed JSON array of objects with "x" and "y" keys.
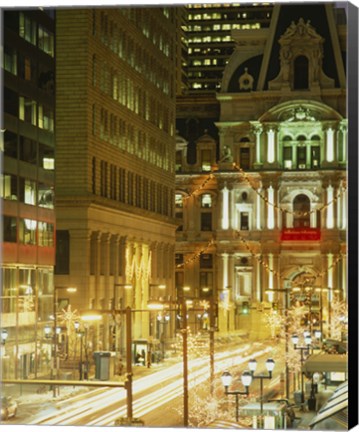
[
  {"x": 344, "y": 207},
  {"x": 343, "y": 142},
  {"x": 330, "y": 207},
  {"x": 225, "y": 207},
  {"x": 225, "y": 280},
  {"x": 258, "y": 209},
  {"x": 271, "y": 146},
  {"x": 258, "y": 132},
  {"x": 270, "y": 208}
]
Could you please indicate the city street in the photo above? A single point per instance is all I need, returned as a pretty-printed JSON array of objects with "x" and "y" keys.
[{"x": 160, "y": 391}]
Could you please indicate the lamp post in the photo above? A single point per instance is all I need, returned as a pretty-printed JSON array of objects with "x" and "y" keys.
[
  {"x": 307, "y": 341},
  {"x": 270, "y": 363},
  {"x": 120, "y": 303},
  {"x": 286, "y": 307},
  {"x": 246, "y": 379}
]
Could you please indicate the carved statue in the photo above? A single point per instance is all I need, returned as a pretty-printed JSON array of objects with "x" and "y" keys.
[{"x": 227, "y": 154}]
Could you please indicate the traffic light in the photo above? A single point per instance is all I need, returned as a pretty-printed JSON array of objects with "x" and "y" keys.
[
  {"x": 245, "y": 308},
  {"x": 275, "y": 306}
]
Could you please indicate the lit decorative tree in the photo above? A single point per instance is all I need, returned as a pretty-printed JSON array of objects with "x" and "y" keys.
[
  {"x": 274, "y": 321},
  {"x": 67, "y": 318},
  {"x": 339, "y": 319},
  {"x": 205, "y": 407}
]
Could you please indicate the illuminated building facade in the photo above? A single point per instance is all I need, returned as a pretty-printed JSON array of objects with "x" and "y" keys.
[
  {"x": 115, "y": 174},
  {"x": 209, "y": 39},
  {"x": 207, "y": 45},
  {"x": 26, "y": 188},
  {"x": 269, "y": 212}
]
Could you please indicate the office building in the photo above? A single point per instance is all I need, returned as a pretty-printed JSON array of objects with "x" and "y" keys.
[
  {"x": 115, "y": 177},
  {"x": 27, "y": 190}
]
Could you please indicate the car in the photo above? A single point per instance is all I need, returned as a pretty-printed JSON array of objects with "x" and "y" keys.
[{"x": 8, "y": 407}]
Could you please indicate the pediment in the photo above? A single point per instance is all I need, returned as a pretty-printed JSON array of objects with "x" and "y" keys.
[{"x": 300, "y": 111}]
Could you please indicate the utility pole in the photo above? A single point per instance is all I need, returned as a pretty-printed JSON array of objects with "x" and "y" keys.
[
  {"x": 211, "y": 344},
  {"x": 128, "y": 383},
  {"x": 185, "y": 363}
]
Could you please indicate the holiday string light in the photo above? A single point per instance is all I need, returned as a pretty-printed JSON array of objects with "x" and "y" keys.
[
  {"x": 208, "y": 178},
  {"x": 195, "y": 256},
  {"x": 265, "y": 199},
  {"x": 285, "y": 211},
  {"x": 277, "y": 273}
]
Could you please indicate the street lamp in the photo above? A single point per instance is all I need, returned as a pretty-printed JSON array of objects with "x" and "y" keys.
[
  {"x": 286, "y": 307},
  {"x": 252, "y": 364},
  {"x": 246, "y": 379},
  {"x": 307, "y": 341}
]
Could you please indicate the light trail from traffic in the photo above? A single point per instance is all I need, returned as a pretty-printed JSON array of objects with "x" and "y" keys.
[{"x": 86, "y": 409}]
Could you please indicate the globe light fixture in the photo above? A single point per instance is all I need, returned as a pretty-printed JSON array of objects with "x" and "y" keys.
[
  {"x": 295, "y": 340},
  {"x": 270, "y": 363},
  {"x": 47, "y": 331},
  {"x": 252, "y": 364},
  {"x": 226, "y": 379},
  {"x": 246, "y": 378},
  {"x": 307, "y": 340},
  {"x": 4, "y": 336},
  {"x": 317, "y": 334}
]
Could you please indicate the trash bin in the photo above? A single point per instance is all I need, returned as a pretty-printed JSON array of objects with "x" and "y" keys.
[
  {"x": 312, "y": 402},
  {"x": 297, "y": 397},
  {"x": 102, "y": 365}
]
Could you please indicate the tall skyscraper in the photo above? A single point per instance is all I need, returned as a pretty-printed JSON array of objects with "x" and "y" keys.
[{"x": 27, "y": 190}]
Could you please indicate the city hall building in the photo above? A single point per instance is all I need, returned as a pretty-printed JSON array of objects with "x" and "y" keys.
[{"x": 267, "y": 212}]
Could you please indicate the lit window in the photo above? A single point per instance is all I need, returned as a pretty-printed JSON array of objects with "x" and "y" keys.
[
  {"x": 206, "y": 200},
  {"x": 48, "y": 163},
  {"x": 46, "y": 41},
  {"x": 178, "y": 201},
  {"x": 27, "y": 231}
]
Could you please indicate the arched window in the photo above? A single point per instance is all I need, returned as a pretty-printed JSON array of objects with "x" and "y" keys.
[
  {"x": 301, "y": 75},
  {"x": 301, "y": 209}
]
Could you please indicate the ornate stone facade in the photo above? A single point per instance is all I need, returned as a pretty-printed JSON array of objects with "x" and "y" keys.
[{"x": 278, "y": 191}]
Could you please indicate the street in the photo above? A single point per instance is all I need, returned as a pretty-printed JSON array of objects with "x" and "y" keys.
[{"x": 154, "y": 394}]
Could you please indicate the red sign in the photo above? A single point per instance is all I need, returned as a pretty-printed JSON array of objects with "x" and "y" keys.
[{"x": 300, "y": 234}]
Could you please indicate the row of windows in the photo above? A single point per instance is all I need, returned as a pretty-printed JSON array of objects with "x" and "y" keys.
[
  {"x": 36, "y": 34},
  {"x": 27, "y": 68},
  {"x": 208, "y": 39},
  {"x": 27, "y": 231},
  {"x": 151, "y": 27},
  {"x": 28, "y": 110},
  {"x": 27, "y": 191},
  {"x": 135, "y": 54},
  {"x": 122, "y": 185},
  {"x": 135, "y": 98},
  {"x": 207, "y": 62},
  {"x": 28, "y": 150},
  {"x": 205, "y": 200},
  {"x": 127, "y": 137}
]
